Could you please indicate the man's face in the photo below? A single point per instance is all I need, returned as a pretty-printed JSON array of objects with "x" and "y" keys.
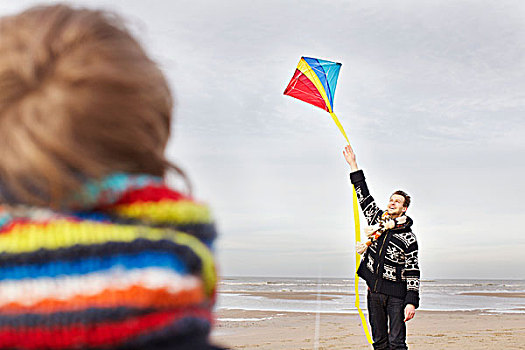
[{"x": 395, "y": 205}]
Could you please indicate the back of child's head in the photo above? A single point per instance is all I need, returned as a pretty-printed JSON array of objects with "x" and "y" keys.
[{"x": 79, "y": 99}]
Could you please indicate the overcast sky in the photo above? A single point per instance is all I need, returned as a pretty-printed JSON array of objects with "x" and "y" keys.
[{"x": 431, "y": 94}]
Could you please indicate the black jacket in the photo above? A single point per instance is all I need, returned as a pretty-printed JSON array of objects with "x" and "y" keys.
[{"x": 390, "y": 264}]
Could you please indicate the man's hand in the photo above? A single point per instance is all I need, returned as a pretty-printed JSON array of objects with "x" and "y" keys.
[
  {"x": 390, "y": 224},
  {"x": 360, "y": 248},
  {"x": 371, "y": 230},
  {"x": 349, "y": 154},
  {"x": 410, "y": 312}
]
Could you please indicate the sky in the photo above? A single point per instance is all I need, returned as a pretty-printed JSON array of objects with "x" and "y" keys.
[{"x": 431, "y": 95}]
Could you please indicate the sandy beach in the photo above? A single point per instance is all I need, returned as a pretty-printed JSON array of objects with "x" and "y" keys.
[
  {"x": 242, "y": 329},
  {"x": 429, "y": 330}
]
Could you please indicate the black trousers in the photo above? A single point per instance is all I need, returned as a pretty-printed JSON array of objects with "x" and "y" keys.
[{"x": 385, "y": 310}]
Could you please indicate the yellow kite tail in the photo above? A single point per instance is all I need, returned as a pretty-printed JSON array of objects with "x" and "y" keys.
[
  {"x": 357, "y": 239},
  {"x": 334, "y": 117},
  {"x": 357, "y": 261}
]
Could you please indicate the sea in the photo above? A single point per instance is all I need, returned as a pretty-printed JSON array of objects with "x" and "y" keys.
[{"x": 436, "y": 295}]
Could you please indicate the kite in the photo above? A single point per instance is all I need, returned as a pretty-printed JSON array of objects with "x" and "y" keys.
[{"x": 314, "y": 82}]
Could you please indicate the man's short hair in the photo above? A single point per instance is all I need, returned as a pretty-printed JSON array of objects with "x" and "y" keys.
[{"x": 405, "y": 195}]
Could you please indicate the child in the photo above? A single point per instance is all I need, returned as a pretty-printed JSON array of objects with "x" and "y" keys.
[{"x": 96, "y": 251}]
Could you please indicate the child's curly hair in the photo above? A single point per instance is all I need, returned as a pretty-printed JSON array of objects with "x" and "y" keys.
[{"x": 79, "y": 98}]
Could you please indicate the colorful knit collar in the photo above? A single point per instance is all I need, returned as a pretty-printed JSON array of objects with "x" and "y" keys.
[
  {"x": 93, "y": 195},
  {"x": 108, "y": 190}
]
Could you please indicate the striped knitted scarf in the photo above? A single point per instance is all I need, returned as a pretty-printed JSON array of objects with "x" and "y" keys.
[
  {"x": 126, "y": 265},
  {"x": 386, "y": 222}
]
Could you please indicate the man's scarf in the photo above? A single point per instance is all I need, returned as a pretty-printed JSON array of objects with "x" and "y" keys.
[{"x": 386, "y": 222}]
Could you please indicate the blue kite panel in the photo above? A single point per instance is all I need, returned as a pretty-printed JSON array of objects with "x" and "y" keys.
[{"x": 332, "y": 72}]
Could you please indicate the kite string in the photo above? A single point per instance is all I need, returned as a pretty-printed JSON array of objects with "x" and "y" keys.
[{"x": 318, "y": 311}]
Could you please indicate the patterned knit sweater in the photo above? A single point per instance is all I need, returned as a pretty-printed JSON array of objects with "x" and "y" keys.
[
  {"x": 127, "y": 264},
  {"x": 390, "y": 264}
]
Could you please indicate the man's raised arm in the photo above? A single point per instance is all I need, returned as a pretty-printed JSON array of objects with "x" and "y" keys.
[{"x": 366, "y": 201}]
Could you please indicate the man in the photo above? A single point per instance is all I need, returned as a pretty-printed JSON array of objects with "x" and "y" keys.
[{"x": 390, "y": 263}]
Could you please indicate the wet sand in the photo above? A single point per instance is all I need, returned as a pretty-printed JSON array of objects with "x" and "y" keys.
[
  {"x": 292, "y": 296},
  {"x": 499, "y": 295}
]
